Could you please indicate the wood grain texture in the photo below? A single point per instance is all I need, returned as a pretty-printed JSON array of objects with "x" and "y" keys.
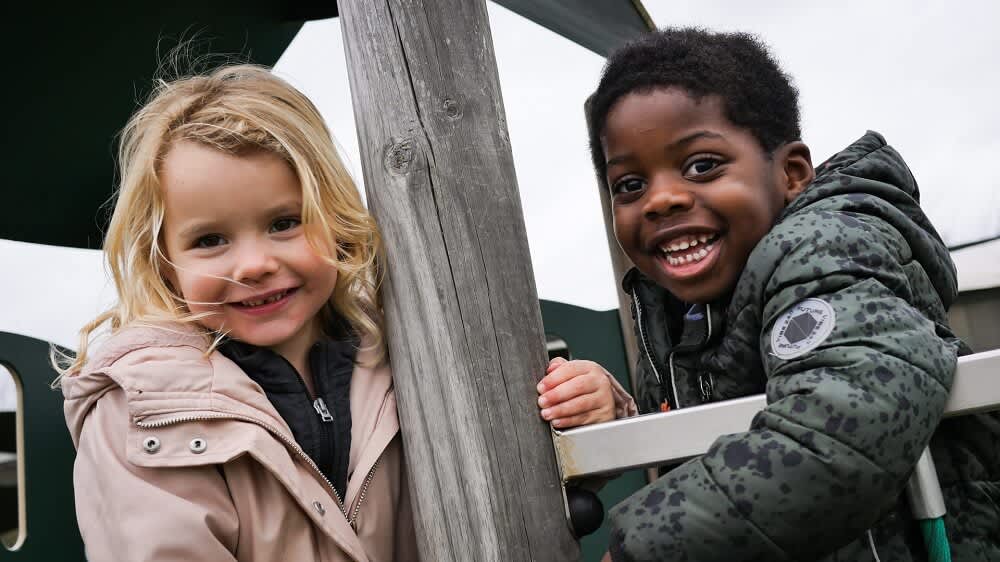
[
  {"x": 620, "y": 264},
  {"x": 464, "y": 327}
]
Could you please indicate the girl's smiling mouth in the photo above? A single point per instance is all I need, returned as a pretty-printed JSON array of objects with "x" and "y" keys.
[{"x": 266, "y": 303}]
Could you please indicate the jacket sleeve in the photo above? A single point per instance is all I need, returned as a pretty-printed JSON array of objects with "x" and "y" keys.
[
  {"x": 127, "y": 512},
  {"x": 845, "y": 422}
]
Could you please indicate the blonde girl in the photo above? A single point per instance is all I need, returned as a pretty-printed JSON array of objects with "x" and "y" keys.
[{"x": 241, "y": 406}]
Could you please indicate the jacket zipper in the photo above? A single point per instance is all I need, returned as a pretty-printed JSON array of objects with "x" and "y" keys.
[
  {"x": 645, "y": 346},
  {"x": 352, "y": 521},
  {"x": 320, "y": 406},
  {"x": 706, "y": 385},
  {"x": 673, "y": 381}
]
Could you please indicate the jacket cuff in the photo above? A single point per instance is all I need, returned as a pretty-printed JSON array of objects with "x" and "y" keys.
[{"x": 624, "y": 403}]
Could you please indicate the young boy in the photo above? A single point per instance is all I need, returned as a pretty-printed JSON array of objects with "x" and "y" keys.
[{"x": 826, "y": 289}]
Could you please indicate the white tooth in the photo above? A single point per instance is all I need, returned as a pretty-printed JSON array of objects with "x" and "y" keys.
[
  {"x": 683, "y": 245},
  {"x": 702, "y": 253},
  {"x": 694, "y": 243},
  {"x": 703, "y": 238}
]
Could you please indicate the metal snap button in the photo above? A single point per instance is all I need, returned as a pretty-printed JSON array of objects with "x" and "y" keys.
[
  {"x": 198, "y": 445},
  {"x": 151, "y": 445},
  {"x": 319, "y": 508}
]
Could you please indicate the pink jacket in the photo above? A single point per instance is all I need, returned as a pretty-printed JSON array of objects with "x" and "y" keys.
[{"x": 180, "y": 456}]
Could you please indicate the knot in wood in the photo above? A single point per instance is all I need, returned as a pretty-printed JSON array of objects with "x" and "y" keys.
[
  {"x": 451, "y": 108},
  {"x": 399, "y": 156}
]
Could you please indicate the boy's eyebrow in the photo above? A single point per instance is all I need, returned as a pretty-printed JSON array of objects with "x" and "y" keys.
[{"x": 688, "y": 139}]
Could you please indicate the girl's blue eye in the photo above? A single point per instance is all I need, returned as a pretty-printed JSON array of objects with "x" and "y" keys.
[
  {"x": 700, "y": 167},
  {"x": 282, "y": 225},
  {"x": 627, "y": 185},
  {"x": 209, "y": 241}
]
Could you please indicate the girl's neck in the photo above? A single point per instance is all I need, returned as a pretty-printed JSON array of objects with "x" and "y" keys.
[{"x": 296, "y": 352}]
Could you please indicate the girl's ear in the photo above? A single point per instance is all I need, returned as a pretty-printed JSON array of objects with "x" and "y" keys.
[{"x": 797, "y": 168}]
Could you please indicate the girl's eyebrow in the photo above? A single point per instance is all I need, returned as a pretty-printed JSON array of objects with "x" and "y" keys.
[{"x": 685, "y": 140}]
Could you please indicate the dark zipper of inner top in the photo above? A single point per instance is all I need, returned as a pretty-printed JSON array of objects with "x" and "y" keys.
[
  {"x": 326, "y": 419},
  {"x": 319, "y": 406}
]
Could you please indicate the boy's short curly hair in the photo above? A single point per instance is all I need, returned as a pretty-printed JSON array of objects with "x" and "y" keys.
[{"x": 737, "y": 67}]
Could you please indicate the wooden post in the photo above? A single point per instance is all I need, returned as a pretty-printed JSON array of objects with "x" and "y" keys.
[
  {"x": 464, "y": 327},
  {"x": 620, "y": 264}
]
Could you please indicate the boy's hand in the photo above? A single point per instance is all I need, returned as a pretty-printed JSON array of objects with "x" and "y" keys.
[{"x": 575, "y": 393}]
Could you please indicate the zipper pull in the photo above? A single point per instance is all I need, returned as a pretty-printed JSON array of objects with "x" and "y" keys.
[
  {"x": 320, "y": 406},
  {"x": 706, "y": 385}
]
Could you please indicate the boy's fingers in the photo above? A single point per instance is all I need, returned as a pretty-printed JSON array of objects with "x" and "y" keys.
[
  {"x": 554, "y": 363},
  {"x": 578, "y": 405},
  {"x": 576, "y": 386},
  {"x": 596, "y": 415},
  {"x": 564, "y": 372}
]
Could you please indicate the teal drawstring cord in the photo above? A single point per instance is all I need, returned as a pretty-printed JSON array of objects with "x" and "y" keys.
[
  {"x": 927, "y": 505},
  {"x": 935, "y": 539}
]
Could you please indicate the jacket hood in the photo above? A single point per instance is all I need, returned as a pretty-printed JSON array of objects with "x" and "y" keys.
[
  {"x": 99, "y": 375},
  {"x": 870, "y": 178},
  {"x": 165, "y": 371}
]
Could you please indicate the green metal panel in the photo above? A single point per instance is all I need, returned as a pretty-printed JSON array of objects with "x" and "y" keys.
[
  {"x": 75, "y": 73},
  {"x": 599, "y": 25},
  {"x": 595, "y": 335},
  {"x": 47, "y": 453}
]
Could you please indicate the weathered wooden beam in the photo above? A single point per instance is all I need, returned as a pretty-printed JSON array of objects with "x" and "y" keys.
[
  {"x": 620, "y": 264},
  {"x": 464, "y": 327}
]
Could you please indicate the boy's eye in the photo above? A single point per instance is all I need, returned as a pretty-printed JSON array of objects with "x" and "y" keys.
[
  {"x": 700, "y": 167},
  {"x": 627, "y": 185},
  {"x": 209, "y": 241},
  {"x": 282, "y": 225}
]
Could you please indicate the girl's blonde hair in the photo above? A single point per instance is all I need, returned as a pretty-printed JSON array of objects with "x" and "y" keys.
[{"x": 238, "y": 109}]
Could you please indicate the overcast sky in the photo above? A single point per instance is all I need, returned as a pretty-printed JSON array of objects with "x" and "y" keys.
[{"x": 922, "y": 73}]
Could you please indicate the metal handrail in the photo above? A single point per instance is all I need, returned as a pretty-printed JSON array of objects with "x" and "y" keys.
[{"x": 658, "y": 439}]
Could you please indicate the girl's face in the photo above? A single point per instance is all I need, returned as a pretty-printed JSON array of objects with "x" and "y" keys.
[{"x": 233, "y": 233}]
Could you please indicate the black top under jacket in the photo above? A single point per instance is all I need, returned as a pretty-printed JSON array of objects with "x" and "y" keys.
[{"x": 321, "y": 424}]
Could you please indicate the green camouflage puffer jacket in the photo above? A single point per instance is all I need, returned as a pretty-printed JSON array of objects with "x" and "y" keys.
[{"x": 840, "y": 318}]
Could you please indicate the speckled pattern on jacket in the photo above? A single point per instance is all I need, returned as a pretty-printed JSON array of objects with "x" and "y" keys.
[{"x": 828, "y": 458}]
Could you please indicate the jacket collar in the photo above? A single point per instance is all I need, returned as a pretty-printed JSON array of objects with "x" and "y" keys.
[{"x": 689, "y": 327}]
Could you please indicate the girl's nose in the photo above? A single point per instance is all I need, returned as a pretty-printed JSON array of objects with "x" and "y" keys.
[
  {"x": 665, "y": 196},
  {"x": 254, "y": 263}
]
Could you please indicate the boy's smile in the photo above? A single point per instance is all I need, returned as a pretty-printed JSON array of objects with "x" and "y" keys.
[{"x": 693, "y": 193}]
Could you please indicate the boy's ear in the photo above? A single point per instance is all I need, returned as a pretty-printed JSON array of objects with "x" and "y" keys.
[{"x": 796, "y": 168}]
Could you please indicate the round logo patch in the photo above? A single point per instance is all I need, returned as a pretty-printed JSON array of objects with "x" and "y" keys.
[{"x": 802, "y": 328}]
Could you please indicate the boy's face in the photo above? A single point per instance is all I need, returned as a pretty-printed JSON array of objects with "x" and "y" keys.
[{"x": 692, "y": 194}]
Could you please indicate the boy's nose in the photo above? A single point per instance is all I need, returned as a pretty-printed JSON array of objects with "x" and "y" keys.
[
  {"x": 667, "y": 196},
  {"x": 254, "y": 262}
]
